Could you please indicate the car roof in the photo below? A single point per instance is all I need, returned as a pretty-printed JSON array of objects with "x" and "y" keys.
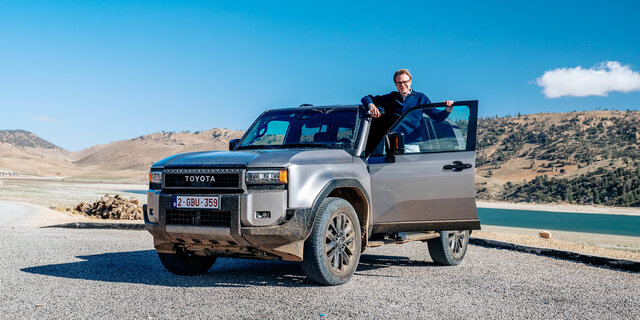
[{"x": 312, "y": 107}]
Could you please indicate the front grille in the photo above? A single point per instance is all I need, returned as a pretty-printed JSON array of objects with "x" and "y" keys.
[
  {"x": 203, "y": 191},
  {"x": 199, "y": 218},
  {"x": 203, "y": 179}
]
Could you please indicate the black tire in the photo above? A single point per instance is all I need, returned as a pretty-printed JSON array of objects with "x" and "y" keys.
[
  {"x": 449, "y": 249},
  {"x": 186, "y": 264},
  {"x": 332, "y": 251}
]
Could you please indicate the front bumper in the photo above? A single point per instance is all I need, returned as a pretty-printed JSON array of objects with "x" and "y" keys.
[{"x": 235, "y": 230}]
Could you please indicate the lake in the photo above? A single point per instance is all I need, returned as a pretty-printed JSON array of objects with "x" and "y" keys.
[{"x": 623, "y": 225}]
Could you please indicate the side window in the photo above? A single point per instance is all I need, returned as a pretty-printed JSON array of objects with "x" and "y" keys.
[
  {"x": 432, "y": 130},
  {"x": 448, "y": 135}
]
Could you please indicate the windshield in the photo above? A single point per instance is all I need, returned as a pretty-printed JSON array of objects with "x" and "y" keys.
[{"x": 334, "y": 128}]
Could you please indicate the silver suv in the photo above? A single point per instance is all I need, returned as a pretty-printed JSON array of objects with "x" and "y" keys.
[{"x": 320, "y": 185}]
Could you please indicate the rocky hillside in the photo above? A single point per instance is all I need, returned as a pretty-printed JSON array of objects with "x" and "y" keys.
[
  {"x": 139, "y": 153},
  {"x": 22, "y": 138},
  {"x": 578, "y": 157},
  {"x": 125, "y": 160},
  {"x": 22, "y": 152}
]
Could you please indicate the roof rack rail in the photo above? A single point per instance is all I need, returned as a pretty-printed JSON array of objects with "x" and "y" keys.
[{"x": 306, "y": 105}]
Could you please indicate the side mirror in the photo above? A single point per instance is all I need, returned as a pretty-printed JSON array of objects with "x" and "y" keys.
[
  {"x": 394, "y": 145},
  {"x": 233, "y": 143}
]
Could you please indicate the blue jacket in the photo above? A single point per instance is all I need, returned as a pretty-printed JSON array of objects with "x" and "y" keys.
[
  {"x": 395, "y": 106},
  {"x": 393, "y": 102}
]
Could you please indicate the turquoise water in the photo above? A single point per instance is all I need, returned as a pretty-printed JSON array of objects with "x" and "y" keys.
[
  {"x": 565, "y": 221},
  {"x": 136, "y": 191}
]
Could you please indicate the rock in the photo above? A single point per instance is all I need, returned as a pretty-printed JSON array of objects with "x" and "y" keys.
[
  {"x": 80, "y": 206},
  {"x": 544, "y": 234},
  {"x": 109, "y": 207}
]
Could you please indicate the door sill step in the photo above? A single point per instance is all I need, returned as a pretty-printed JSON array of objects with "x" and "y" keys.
[{"x": 408, "y": 237}]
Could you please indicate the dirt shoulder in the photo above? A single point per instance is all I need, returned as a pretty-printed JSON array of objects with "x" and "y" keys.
[
  {"x": 22, "y": 214},
  {"x": 617, "y": 247}
]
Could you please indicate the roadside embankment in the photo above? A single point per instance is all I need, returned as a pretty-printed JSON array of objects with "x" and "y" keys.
[{"x": 528, "y": 237}]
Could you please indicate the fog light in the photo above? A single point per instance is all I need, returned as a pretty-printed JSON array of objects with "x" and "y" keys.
[{"x": 263, "y": 214}]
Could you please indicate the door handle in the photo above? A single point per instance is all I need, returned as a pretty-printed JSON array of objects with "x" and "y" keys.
[{"x": 457, "y": 166}]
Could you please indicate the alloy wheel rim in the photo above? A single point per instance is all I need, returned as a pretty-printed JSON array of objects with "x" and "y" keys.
[
  {"x": 340, "y": 244},
  {"x": 456, "y": 242}
]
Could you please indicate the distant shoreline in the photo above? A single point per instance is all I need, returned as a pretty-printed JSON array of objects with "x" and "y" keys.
[
  {"x": 73, "y": 180},
  {"x": 556, "y": 207}
]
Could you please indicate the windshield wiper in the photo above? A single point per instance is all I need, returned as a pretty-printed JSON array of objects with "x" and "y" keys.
[
  {"x": 313, "y": 145},
  {"x": 258, "y": 146}
]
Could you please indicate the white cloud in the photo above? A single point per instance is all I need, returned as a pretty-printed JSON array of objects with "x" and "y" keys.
[
  {"x": 599, "y": 80},
  {"x": 46, "y": 119}
]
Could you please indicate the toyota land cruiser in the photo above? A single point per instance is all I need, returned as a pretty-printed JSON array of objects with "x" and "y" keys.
[{"x": 320, "y": 185}]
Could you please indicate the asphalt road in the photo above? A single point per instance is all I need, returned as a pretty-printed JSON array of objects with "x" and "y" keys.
[{"x": 115, "y": 274}]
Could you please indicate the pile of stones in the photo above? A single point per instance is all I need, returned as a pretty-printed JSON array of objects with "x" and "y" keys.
[{"x": 114, "y": 208}]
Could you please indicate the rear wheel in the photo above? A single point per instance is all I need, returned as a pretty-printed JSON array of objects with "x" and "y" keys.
[
  {"x": 449, "y": 249},
  {"x": 332, "y": 251},
  {"x": 186, "y": 264}
]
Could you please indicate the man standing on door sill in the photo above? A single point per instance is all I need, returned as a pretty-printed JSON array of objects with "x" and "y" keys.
[{"x": 396, "y": 103}]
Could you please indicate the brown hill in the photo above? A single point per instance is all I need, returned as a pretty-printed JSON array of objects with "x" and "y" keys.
[
  {"x": 25, "y": 153},
  {"x": 35, "y": 161},
  {"x": 132, "y": 158},
  {"x": 127, "y": 160},
  {"x": 23, "y": 138}
]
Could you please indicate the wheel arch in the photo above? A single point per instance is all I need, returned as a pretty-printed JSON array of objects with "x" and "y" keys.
[{"x": 353, "y": 192}]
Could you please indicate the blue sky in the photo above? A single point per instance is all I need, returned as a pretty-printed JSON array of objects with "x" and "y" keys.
[{"x": 81, "y": 73}]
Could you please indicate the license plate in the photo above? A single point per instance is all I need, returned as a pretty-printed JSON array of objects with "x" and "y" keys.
[{"x": 196, "y": 202}]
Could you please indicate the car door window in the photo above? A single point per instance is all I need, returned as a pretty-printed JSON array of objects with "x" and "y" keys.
[{"x": 430, "y": 129}]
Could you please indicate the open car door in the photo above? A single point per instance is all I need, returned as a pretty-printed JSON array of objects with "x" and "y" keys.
[{"x": 430, "y": 185}]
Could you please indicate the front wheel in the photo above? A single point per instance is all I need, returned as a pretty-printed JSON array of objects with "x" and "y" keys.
[
  {"x": 186, "y": 264},
  {"x": 449, "y": 249},
  {"x": 332, "y": 251}
]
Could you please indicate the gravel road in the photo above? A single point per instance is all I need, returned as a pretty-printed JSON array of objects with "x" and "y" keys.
[{"x": 72, "y": 273}]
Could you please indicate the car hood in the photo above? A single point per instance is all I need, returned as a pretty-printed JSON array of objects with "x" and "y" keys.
[{"x": 252, "y": 158}]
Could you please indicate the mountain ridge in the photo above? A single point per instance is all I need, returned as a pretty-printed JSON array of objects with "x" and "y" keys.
[
  {"x": 125, "y": 160},
  {"x": 24, "y": 138}
]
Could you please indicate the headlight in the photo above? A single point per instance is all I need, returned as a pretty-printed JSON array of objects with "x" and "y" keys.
[
  {"x": 267, "y": 176},
  {"x": 155, "y": 178}
]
